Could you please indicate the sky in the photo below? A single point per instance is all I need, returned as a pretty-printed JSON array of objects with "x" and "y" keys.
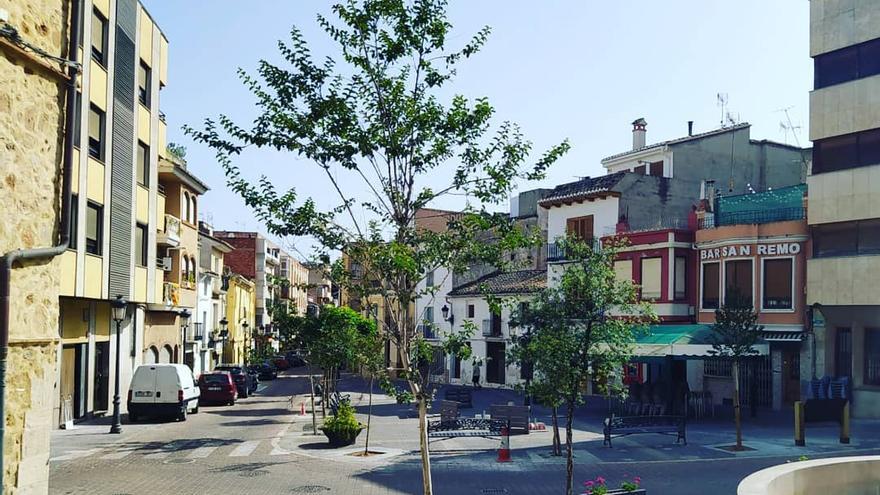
[{"x": 581, "y": 70}]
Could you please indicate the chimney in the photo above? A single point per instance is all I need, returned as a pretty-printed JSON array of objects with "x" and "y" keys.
[
  {"x": 639, "y": 133},
  {"x": 690, "y": 127}
]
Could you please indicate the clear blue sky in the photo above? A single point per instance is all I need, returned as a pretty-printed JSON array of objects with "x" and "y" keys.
[{"x": 581, "y": 70}]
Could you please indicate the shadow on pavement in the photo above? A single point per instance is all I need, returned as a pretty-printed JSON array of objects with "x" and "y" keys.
[
  {"x": 252, "y": 422},
  {"x": 277, "y": 411}
]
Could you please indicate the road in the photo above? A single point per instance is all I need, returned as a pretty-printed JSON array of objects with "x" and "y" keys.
[{"x": 259, "y": 446}]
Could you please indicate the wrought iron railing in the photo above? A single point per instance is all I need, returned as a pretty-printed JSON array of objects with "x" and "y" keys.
[
  {"x": 752, "y": 217},
  {"x": 556, "y": 251},
  {"x": 198, "y": 331}
]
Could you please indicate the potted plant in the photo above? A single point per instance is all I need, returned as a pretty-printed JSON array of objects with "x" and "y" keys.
[
  {"x": 628, "y": 486},
  {"x": 343, "y": 428}
]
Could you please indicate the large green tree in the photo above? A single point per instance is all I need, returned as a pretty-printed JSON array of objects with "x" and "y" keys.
[
  {"x": 378, "y": 113},
  {"x": 582, "y": 327}
]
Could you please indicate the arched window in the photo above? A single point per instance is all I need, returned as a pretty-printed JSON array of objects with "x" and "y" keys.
[
  {"x": 184, "y": 261},
  {"x": 194, "y": 212},
  {"x": 192, "y": 264},
  {"x": 187, "y": 211},
  {"x": 165, "y": 354},
  {"x": 151, "y": 355}
]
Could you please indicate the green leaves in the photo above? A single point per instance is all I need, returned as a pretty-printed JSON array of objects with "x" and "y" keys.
[{"x": 736, "y": 330}]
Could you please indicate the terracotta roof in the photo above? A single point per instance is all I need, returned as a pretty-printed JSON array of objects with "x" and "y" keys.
[
  {"x": 519, "y": 282},
  {"x": 583, "y": 187},
  {"x": 713, "y": 132}
]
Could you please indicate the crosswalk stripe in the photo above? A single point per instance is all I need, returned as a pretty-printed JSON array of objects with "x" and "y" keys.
[
  {"x": 202, "y": 452},
  {"x": 245, "y": 448},
  {"x": 76, "y": 454},
  {"x": 116, "y": 455},
  {"x": 168, "y": 449}
]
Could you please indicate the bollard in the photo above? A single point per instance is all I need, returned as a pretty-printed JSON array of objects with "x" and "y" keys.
[
  {"x": 302, "y": 408},
  {"x": 844, "y": 424},
  {"x": 504, "y": 450},
  {"x": 799, "y": 439}
]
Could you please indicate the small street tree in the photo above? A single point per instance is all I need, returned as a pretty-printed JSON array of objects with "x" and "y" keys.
[
  {"x": 369, "y": 357},
  {"x": 582, "y": 327},
  {"x": 377, "y": 118},
  {"x": 736, "y": 331}
]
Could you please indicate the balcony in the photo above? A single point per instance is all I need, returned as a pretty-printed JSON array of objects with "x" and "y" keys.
[
  {"x": 171, "y": 294},
  {"x": 218, "y": 284},
  {"x": 492, "y": 328},
  {"x": 170, "y": 234},
  {"x": 195, "y": 332},
  {"x": 427, "y": 331},
  {"x": 272, "y": 257},
  {"x": 751, "y": 217},
  {"x": 556, "y": 252}
]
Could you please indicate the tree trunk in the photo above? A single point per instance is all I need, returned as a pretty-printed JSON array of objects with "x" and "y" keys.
[
  {"x": 324, "y": 395},
  {"x": 557, "y": 447},
  {"x": 569, "y": 461},
  {"x": 737, "y": 413},
  {"x": 423, "y": 446},
  {"x": 369, "y": 417},
  {"x": 314, "y": 413}
]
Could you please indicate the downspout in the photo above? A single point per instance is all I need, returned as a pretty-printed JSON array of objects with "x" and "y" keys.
[{"x": 7, "y": 262}]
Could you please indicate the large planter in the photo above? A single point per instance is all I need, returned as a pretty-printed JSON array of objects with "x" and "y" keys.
[
  {"x": 342, "y": 438},
  {"x": 618, "y": 491}
]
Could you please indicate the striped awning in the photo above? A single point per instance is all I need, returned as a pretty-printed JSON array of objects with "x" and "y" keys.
[{"x": 783, "y": 336}]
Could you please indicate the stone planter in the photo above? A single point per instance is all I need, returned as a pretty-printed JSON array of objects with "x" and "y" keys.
[{"x": 342, "y": 438}]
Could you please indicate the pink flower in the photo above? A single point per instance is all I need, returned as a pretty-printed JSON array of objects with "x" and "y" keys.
[
  {"x": 638, "y": 480},
  {"x": 588, "y": 484},
  {"x": 600, "y": 480}
]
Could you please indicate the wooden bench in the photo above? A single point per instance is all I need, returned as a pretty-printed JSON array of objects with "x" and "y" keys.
[
  {"x": 516, "y": 417},
  {"x": 452, "y": 425},
  {"x": 336, "y": 399},
  {"x": 460, "y": 395},
  {"x": 620, "y": 426}
]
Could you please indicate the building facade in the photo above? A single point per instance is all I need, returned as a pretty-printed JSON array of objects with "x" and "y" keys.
[
  {"x": 844, "y": 203},
  {"x": 32, "y": 108},
  {"x": 117, "y": 206},
  {"x": 211, "y": 304},
  {"x": 241, "y": 298}
]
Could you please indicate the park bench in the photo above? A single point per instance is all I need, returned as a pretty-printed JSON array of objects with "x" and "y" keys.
[
  {"x": 336, "y": 399},
  {"x": 460, "y": 395},
  {"x": 620, "y": 426},
  {"x": 452, "y": 425},
  {"x": 516, "y": 417}
]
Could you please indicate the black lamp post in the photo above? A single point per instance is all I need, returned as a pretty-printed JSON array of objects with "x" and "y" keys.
[
  {"x": 224, "y": 335},
  {"x": 246, "y": 342},
  {"x": 118, "y": 307},
  {"x": 184, "y": 324}
]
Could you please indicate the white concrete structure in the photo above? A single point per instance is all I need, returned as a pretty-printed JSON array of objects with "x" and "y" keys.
[{"x": 856, "y": 475}]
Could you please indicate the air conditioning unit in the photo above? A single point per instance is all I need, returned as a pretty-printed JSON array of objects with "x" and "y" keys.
[{"x": 166, "y": 264}]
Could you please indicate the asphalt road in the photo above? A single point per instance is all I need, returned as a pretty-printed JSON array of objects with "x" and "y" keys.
[{"x": 259, "y": 446}]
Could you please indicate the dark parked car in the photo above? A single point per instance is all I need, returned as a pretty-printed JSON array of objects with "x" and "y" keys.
[
  {"x": 217, "y": 387},
  {"x": 245, "y": 383},
  {"x": 280, "y": 362},
  {"x": 294, "y": 360},
  {"x": 264, "y": 371}
]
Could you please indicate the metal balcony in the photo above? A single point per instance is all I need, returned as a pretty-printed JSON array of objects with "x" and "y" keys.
[{"x": 170, "y": 234}]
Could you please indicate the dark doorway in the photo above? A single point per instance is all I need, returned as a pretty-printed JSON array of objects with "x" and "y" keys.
[
  {"x": 102, "y": 376},
  {"x": 843, "y": 352},
  {"x": 495, "y": 366},
  {"x": 791, "y": 376}
]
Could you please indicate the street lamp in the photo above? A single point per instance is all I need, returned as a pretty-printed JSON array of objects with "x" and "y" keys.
[
  {"x": 184, "y": 324},
  {"x": 118, "y": 306},
  {"x": 224, "y": 335},
  {"x": 447, "y": 314},
  {"x": 246, "y": 341}
]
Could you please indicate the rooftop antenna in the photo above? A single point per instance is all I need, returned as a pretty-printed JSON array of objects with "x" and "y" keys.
[
  {"x": 787, "y": 126},
  {"x": 721, "y": 101}
]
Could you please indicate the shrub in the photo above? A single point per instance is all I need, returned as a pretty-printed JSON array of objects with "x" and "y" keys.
[{"x": 344, "y": 421}]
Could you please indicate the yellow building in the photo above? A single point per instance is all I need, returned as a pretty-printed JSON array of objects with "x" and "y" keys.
[
  {"x": 32, "y": 108},
  {"x": 117, "y": 209},
  {"x": 241, "y": 301}
]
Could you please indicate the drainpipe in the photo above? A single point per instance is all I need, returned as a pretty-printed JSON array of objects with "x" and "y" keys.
[{"x": 8, "y": 260}]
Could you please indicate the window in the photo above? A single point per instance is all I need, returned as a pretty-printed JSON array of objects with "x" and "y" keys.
[
  {"x": 429, "y": 279},
  {"x": 846, "y": 238},
  {"x": 94, "y": 228},
  {"x": 843, "y": 352},
  {"x": 194, "y": 215},
  {"x": 656, "y": 169},
  {"x": 143, "y": 164},
  {"x": 651, "y": 277},
  {"x": 99, "y": 37},
  {"x": 580, "y": 227},
  {"x": 872, "y": 356},
  {"x": 640, "y": 170},
  {"x": 711, "y": 285},
  {"x": 144, "y": 84},
  {"x": 74, "y": 220},
  {"x": 429, "y": 314},
  {"x": 140, "y": 244},
  {"x": 186, "y": 207},
  {"x": 777, "y": 290},
  {"x": 847, "y": 64},
  {"x": 470, "y": 311},
  {"x": 680, "y": 284},
  {"x": 738, "y": 282},
  {"x": 96, "y": 132},
  {"x": 184, "y": 262},
  {"x": 623, "y": 270},
  {"x": 77, "y": 119},
  {"x": 846, "y": 152}
]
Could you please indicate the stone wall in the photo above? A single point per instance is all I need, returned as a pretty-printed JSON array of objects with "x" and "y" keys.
[{"x": 31, "y": 122}]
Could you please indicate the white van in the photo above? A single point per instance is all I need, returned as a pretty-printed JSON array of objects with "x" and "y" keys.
[{"x": 162, "y": 390}]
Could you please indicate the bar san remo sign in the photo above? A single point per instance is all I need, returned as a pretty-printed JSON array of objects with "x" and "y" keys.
[{"x": 778, "y": 249}]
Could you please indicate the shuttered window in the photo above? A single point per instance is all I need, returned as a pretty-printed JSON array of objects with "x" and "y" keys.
[
  {"x": 777, "y": 284},
  {"x": 651, "y": 278},
  {"x": 738, "y": 282},
  {"x": 580, "y": 227}
]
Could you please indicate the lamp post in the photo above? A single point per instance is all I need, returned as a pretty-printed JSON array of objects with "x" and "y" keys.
[
  {"x": 224, "y": 335},
  {"x": 246, "y": 342},
  {"x": 184, "y": 324},
  {"x": 118, "y": 306}
]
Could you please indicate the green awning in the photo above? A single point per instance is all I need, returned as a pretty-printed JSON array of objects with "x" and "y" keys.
[{"x": 676, "y": 334}]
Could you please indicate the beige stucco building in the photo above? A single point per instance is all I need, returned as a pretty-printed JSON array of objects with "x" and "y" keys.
[{"x": 844, "y": 196}]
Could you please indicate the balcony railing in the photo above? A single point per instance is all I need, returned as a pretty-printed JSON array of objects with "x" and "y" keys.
[
  {"x": 492, "y": 328},
  {"x": 196, "y": 332},
  {"x": 170, "y": 293},
  {"x": 170, "y": 233},
  {"x": 428, "y": 332},
  {"x": 217, "y": 285},
  {"x": 752, "y": 217},
  {"x": 556, "y": 252}
]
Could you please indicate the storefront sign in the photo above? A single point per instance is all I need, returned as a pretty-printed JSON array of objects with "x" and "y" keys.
[{"x": 780, "y": 249}]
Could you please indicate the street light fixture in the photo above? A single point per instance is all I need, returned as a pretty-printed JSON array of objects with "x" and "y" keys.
[
  {"x": 118, "y": 306},
  {"x": 184, "y": 324},
  {"x": 223, "y": 337},
  {"x": 247, "y": 339},
  {"x": 446, "y": 311}
]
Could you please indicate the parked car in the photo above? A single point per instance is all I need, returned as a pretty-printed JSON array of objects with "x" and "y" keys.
[
  {"x": 245, "y": 384},
  {"x": 265, "y": 371},
  {"x": 280, "y": 362},
  {"x": 162, "y": 390},
  {"x": 217, "y": 387},
  {"x": 295, "y": 360}
]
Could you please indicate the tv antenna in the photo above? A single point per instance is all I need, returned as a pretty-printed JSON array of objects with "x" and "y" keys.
[
  {"x": 721, "y": 101},
  {"x": 786, "y": 126}
]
